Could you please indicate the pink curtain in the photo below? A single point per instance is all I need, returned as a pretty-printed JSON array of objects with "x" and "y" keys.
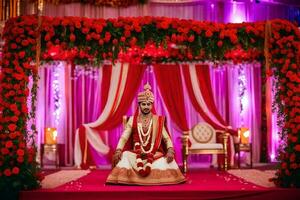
[
  {"x": 225, "y": 80},
  {"x": 117, "y": 105},
  {"x": 204, "y": 104},
  {"x": 220, "y": 11},
  {"x": 85, "y": 104}
]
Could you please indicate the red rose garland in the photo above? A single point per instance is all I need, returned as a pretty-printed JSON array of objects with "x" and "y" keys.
[{"x": 143, "y": 169}]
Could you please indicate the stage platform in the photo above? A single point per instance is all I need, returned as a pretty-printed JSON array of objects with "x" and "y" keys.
[{"x": 201, "y": 184}]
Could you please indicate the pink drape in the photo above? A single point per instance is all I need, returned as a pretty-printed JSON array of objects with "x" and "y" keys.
[
  {"x": 203, "y": 77},
  {"x": 85, "y": 100},
  {"x": 231, "y": 11},
  {"x": 133, "y": 79}
]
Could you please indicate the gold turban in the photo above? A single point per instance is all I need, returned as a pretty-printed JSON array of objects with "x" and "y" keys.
[{"x": 146, "y": 95}]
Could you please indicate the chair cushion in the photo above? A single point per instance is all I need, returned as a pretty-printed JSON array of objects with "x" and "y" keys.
[
  {"x": 203, "y": 133},
  {"x": 207, "y": 146}
]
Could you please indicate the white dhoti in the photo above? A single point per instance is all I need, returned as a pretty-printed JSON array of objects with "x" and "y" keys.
[{"x": 162, "y": 173}]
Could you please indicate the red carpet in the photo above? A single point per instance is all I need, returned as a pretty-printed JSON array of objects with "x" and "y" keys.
[{"x": 201, "y": 184}]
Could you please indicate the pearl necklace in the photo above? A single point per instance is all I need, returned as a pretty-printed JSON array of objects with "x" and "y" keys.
[
  {"x": 151, "y": 148},
  {"x": 141, "y": 133}
]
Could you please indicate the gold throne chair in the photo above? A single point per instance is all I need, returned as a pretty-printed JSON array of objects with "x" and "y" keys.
[{"x": 202, "y": 139}]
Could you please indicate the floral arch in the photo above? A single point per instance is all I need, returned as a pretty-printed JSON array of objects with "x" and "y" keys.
[{"x": 29, "y": 39}]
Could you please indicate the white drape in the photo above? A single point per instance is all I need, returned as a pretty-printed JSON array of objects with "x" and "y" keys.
[{"x": 119, "y": 74}]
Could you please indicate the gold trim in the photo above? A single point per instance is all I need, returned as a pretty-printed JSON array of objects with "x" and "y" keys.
[
  {"x": 85, "y": 150},
  {"x": 125, "y": 120},
  {"x": 156, "y": 177},
  {"x": 206, "y": 151},
  {"x": 154, "y": 129}
]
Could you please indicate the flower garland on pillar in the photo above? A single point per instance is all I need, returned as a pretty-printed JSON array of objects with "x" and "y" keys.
[
  {"x": 57, "y": 94},
  {"x": 242, "y": 89}
]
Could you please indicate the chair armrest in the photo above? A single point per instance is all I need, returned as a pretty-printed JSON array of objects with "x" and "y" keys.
[
  {"x": 222, "y": 134},
  {"x": 220, "y": 131},
  {"x": 185, "y": 140},
  {"x": 225, "y": 137}
]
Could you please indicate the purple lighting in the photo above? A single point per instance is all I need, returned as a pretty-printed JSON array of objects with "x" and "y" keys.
[{"x": 235, "y": 12}]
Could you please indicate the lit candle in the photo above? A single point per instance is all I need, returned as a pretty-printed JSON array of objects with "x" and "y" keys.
[
  {"x": 244, "y": 134},
  {"x": 50, "y": 136}
]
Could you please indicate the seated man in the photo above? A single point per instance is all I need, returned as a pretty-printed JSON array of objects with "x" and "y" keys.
[{"x": 145, "y": 153}]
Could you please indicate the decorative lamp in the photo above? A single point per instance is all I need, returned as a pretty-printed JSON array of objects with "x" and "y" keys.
[
  {"x": 244, "y": 134},
  {"x": 50, "y": 136}
]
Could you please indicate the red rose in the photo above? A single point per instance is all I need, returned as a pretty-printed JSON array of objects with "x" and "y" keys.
[
  {"x": 31, "y": 151},
  {"x": 107, "y": 36},
  {"x": 15, "y": 170},
  {"x": 101, "y": 42},
  {"x": 4, "y": 151},
  {"x": 297, "y": 147},
  {"x": 138, "y": 29},
  {"x": 14, "y": 118},
  {"x": 12, "y": 135},
  {"x": 81, "y": 54},
  {"x": 25, "y": 43},
  {"x": 284, "y": 165},
  {"x": 294, "y": 166},
  {"x": 72, "y": 37},
  {"x": 294, "y": 139},
  {"x": 293, "y": 157},
  {"x": 208, "y": 33},
  {"x": 233, "y": 39},
  {"x": 191, "y": 38},
  {"x": 220, "y": 43},
  {"x": 133, "y": 41},
  {"x": 24, "y": 108},
  {"x": 164, "y": 25},
  {"x": 27, "y": 66},
  {"x": 17, "y": 113},
  {"x": 85, "y": 30},
  {"x": 13, "y": 107},
  {"x": 30, "y": 158},
  {"x": 12, "y": 127},
  {"x": 88, "y": 37},
  {"x": 115, "y": 41},
  {"x": 13, "y": 46},
  {"x": 78, "y": 24},
  {"x": 287, "y": 172},
  {"x": 20, "y": 159},
  {"x": 123, "y": 39},
  {"x": 40, "y": 176},
  {"x": 20, "y": 152},
  {"x": 47, "y": 37},
  {"x": 18, "y": 76},
  {"x": 96, "y": 36},
  {"x": 127, "y": 33},
  {"x": 99, "y": 28},
  {"x": 21, "y": 144},
  {"x": 22, "y": 54},
  {"x": 9, "y": 144},
  {"x": 7, "y": 172}
]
